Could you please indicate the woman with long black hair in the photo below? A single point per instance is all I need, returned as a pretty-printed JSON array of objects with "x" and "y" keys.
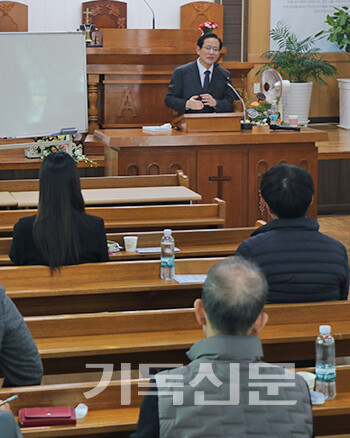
[{"x": 61, "y": 233}]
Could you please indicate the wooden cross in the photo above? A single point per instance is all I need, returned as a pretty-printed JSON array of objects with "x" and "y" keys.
[
  {"x": 220, "y": 178},
  {"x": 87, "y": 13}
]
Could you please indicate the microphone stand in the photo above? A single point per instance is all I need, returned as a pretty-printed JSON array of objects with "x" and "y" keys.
[
  {"x": 244, "y": 125},
  {"x": 154, "y": 18}
]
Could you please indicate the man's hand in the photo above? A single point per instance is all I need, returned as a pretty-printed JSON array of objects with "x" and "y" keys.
[
  {"x": 208, "y": 100},
  {"x": 5, "y": 407},
  {"x": 194, "y": 104}
]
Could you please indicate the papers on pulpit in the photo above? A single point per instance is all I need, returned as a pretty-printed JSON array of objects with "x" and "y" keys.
[{"x": 161, "y": 128}]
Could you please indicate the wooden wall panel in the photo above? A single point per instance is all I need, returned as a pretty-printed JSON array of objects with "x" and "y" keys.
[{"x": 233, "y": 28}]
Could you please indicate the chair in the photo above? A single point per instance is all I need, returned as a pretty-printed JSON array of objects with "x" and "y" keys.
[
  {"x": 195, "y": 13},
  {"x": 13, "y": 17},
  {"x": 105, "y": 14}
]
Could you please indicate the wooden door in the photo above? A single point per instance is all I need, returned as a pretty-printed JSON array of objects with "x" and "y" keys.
[{"x": 262, "y": 159}]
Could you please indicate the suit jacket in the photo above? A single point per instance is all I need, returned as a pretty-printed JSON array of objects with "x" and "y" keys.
[
  {"x": 91, "y": 236},
  {"x": 185, "y": 83}
]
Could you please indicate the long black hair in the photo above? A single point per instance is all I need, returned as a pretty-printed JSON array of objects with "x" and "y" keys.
[{"x": 60, "y": 205}]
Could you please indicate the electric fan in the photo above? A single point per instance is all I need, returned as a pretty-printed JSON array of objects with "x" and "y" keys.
[
  {"x": 272, "y": 84},
  {"x": 271, "y": 87}
]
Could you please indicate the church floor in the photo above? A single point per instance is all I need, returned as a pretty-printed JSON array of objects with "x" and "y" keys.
[{"x": 338, "y": 227}]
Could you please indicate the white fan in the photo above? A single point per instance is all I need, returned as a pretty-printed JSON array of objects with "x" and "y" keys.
[{"x": 272, "y": 84}]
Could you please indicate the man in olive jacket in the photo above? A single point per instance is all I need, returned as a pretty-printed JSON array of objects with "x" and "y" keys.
[{"x": 226, "y": 390}]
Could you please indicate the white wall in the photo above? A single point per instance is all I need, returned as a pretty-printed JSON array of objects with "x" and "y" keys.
[
  {"x": 65, "y": 15},
  {"x": 306, "y": 18}
]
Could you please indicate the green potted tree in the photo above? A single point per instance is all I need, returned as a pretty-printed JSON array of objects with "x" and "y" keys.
[
  {"x": 299, "y": 62},
  {"x": 339, "y": 33}
]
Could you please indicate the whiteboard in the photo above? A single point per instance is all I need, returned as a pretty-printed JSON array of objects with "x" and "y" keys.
[{"x": 43, "y": 83}]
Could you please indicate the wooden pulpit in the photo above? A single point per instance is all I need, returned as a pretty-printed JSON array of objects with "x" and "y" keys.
[{"x": 209, "y": 122}]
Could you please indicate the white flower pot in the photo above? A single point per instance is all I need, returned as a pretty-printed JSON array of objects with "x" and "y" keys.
[
  {"x": 296, "y": 101},
  {"x": 344, "y": 103}
]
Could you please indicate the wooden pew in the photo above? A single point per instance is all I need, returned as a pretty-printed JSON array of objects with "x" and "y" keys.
[
  {"x": 108, "y": 415},
  {"x": 165, "y": 335},
  {"x": 155, "y": 217},
  {"x": 98, "y": 287},
  {"x": 192, "y": 243},
  {"x": 104, "y": 182}
]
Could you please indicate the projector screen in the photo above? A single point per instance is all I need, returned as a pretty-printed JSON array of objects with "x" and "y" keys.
[{"x": 43, "y": 83}]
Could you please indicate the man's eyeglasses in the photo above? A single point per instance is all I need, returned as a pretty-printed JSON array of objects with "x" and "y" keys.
[{"x": 209, "y": 48}]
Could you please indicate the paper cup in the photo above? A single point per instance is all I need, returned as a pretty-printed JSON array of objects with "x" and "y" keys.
[
  {"x": 293, "y": 120},
  {"x": 130, "y": 243},
  {"x": 309, "y": 379}
]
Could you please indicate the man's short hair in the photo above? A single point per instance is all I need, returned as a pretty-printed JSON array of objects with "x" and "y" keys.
[
  {"x": 288, "y": 190},
  {"x": 208, "y": 35},
  {"x": 234, "y": 295}
]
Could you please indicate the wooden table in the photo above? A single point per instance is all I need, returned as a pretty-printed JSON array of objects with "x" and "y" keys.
[
  {"x": 12, "y": 159},
  {"x": 130, "y": 195},
  {"x": 228, "y": 165}
]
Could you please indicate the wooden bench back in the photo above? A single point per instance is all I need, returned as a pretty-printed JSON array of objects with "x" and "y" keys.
[
  {"x": 178, "y": 179},
  {"x": 112, "y": 323},
  {"x": 140, "y": 217},
  {"x": 178, "y": 319},
  {"x": 90, "y": 277},
  {"x": 192, "y": 243},
  {"x": 71, "y": 394},
  {"x": 100, "y": 287},
  {"x": 308, "y": 313},
  {"x": 107, "y": 414}
]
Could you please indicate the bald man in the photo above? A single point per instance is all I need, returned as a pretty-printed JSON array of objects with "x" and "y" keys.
[{"x": 226, "y": 390}]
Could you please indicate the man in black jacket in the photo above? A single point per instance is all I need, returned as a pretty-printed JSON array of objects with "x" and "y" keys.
[
  {"x": 201, "y": 86},
  {"x": 300, "y": 263}
]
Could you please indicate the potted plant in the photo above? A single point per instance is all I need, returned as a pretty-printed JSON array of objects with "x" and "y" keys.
[
  {"x": 339, "y": 33},
  {"x": 299, "y": 62}
]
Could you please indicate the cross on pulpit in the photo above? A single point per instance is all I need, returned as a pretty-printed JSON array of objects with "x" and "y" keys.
[
  {"x": 220, "y": 178},
  {"x": 87, "y": 13}
]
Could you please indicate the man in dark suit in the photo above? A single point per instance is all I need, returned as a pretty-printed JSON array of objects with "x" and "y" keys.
[{"x": 201, "y": 86}]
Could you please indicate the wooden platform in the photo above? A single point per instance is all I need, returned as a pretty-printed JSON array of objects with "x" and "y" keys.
[
  {"x": 338, "y": 144},
  {"x": 333, "y": 170}
]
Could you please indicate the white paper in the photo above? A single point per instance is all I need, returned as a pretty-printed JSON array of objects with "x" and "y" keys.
[
  {"x": 188, "y": 278},
  {"x": 162, "y": 128},
  {"x": 152, "y": 250}
]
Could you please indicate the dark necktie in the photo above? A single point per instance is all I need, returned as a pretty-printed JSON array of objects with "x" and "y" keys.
[{"x": 206, "y": 82}]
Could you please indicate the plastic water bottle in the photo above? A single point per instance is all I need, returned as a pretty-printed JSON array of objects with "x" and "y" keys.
[
  {"x": 325, "y": 363},
  {"x": 274, "y": 113},
  {"x": 167, "y": 256}
]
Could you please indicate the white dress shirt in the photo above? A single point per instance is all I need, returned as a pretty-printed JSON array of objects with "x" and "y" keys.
[{"x": 202, "y": 71}]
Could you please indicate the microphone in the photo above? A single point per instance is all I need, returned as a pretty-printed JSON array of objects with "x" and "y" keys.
[
  {"x": 154, "y": 17},
  {"x": 228, "y": 83}
]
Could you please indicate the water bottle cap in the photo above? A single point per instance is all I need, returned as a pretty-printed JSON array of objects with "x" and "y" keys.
[
  {"x": 167, "y": 232},
  {"x": 325, "y": 329}
]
